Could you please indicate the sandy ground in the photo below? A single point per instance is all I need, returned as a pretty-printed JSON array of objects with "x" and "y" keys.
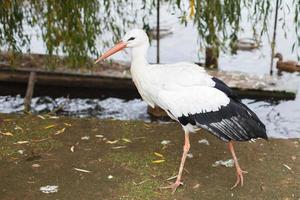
[{"x": 126, "y": 160}]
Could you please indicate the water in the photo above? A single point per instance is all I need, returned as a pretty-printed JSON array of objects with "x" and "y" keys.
[{"x": 281, "y": 118}]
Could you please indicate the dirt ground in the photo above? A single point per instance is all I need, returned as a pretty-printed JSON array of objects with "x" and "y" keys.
[{"x": 109, "y": 159}]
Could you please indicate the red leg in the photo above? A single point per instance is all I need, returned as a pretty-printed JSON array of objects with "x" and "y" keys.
[
  {"x": 239, "y": 171},
  {"x": 186, "y": 149}
]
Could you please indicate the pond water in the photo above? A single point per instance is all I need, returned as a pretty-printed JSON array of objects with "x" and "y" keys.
[{"x": 281, "y": 118}]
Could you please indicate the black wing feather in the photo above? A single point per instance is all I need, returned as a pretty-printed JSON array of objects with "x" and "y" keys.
[{"x": 234, "y": 121}]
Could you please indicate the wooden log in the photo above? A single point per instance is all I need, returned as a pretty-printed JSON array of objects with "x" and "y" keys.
[
  {"x": 94, "y": 85},
  {"x": 29, "y": 92}
]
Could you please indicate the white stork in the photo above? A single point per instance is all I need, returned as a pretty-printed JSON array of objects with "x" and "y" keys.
[{"x": 191, "y": 97}]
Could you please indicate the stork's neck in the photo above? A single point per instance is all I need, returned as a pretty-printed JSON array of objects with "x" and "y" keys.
[{"x": 138, "y": 56}]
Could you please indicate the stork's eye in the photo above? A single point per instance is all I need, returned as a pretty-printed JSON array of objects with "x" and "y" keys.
[{"x": 132, "y": 38}]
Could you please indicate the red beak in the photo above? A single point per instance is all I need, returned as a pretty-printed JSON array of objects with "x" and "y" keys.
[{"x": 115, "y": 49}]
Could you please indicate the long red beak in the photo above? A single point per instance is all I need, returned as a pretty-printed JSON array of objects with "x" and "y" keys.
[{"x": 115, "y": 49}]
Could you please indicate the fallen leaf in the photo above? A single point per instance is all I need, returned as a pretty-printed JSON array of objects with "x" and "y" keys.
[
  {"x": 196, "y": 186},
  {"x": 35, "y": 165},
  {"x": 119, "y": 147},
  {"x": 53, "y": 117},
  {"x": 203, "y": 141},
  {"x": 82, "y": 170},
  {"x": 99, "y": 136},
  {"x": 85, "y": 137},
  {"x": 50, "y": 126},
  {"x": 110, "y": 177},
  {"x": 112, "y": 142},
  {"x": 67, "y": 124},
  {"x": 6, "y": 133},
  {"x": 286, "y": 166},
  {"x": 158, "y": 161},
  {"x": 21, "y": 151},
  {"x": 172, "y": 177},
  {"x": 165, "y": 142},
  {"x": 72, "y": 148},
  {"x": 147, "y": 125},
  {"x": 19, "y": 128},
  {"x": 22, "y": 142},
  {"x": 40, "y": 116},
  {"x": 60, "y": 131},
  {"x": 126, "y": 140},
  {"x": 158, "y": 154}
]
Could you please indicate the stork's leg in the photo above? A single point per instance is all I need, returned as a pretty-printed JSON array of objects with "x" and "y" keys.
[
  {"x": 186, "y": 149},
  {"x": 239, "y": 171}
]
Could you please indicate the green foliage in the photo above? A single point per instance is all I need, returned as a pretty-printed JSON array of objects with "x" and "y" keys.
[
  {"x": 218, "y": 21},
  {"x": 74, "y": 28},
  {"x": 78, "y": 29}
]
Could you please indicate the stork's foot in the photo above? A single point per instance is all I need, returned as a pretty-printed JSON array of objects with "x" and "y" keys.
[
  {"x": 239, "y": 177},
  {"x": 173, "y": 186}
]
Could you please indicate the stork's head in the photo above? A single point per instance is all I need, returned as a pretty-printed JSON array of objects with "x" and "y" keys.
[{"x": 132, "y": 39}]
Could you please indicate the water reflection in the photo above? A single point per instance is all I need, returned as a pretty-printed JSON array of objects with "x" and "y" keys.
[{"x": 281, "y": 117}]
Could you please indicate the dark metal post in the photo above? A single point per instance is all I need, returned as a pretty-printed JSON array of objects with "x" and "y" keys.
[
  {"x": 273, "y": 44},
  {"x": 157, "y": 32}
]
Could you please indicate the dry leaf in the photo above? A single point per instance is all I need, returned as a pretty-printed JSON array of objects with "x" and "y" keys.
[
  {"x": 60, "y": 131},
  {"x": 110, "y": 177},
  {"x": 99, "y": 136},
  {"x": 19, "y": 128},
  {"x": 147, "y": 125},
  {"x": 82, "y": 170},
  {"x": 196, "y": 186},
  {"x": 53, "y": 117},
  {"x": 40, "y": 116},
  {"x": 112, "y": 142},
  {"x": 50, "y": 126},
  {"x": 22, "y": 142},
  {"x": 72, "y": 148},
  {"x": 172, "y": 177},
  {"x": 158, "y": 161},
  {"x": 158, "y": 154},
  {"x": 165, "y": 142},
  {"x": 286, "y": 166},
  {"x": 35, "y": 165},
  {"x": 6, "y": 133},
  {"x": 67, "y": 124},
  {"x": 119, "y": 147},
  {"x": 126, "y": 140},
  {"x": 85, "y": 137}
]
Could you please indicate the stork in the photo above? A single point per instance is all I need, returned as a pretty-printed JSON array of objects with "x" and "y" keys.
[{"x": 191, "y": 97}]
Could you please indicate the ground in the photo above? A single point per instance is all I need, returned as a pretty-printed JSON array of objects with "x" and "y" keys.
[{"x": 126, "y": 160}]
